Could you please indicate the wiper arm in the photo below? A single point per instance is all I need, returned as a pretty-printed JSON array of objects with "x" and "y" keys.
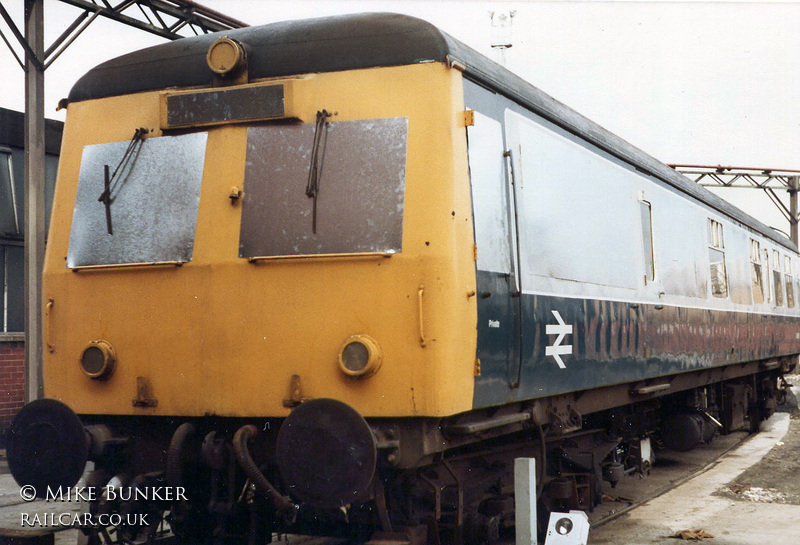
[{"x": 317, "y": 160}]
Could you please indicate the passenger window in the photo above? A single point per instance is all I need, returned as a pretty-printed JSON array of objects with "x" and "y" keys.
[
  {"x": 716, "y": 257},
  {"x": 766, "y": 274},
  {"x": 755, "y": 271},
  {"x": 777, "y": 281},
  {"x": 789, "y": 282},
  {"x": 647, "y": 241},
  {"x": 796, "y": 285}
]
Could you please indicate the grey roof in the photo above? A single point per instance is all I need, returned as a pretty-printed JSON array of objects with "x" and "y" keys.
[
  {"x": 366, "y": 40},
  {"x": 12, "y": 131}
]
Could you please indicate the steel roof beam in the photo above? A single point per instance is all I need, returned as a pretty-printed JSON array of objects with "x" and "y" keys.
[
  {"x": 186, "y": 14},
  {"x": 766, "y": 179},
  {"x": 740, "y": 177},
  {"x": 30, "y": 55}
]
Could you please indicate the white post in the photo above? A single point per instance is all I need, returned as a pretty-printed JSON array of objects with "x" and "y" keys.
[{"x": 525, "y": 500}]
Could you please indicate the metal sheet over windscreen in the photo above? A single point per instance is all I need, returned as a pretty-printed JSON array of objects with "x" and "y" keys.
[
  {"x": 154, "y": 201},
  {"x": 360, "y": 197}
]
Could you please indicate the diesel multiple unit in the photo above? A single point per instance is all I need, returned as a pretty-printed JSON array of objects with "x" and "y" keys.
[{"x": 332, "y": 276}]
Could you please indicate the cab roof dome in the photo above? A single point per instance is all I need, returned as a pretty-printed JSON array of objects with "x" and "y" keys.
[{"x": 328, "y": 44}]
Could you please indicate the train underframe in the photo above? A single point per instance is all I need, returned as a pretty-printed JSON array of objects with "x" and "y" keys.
[{"x": 432, "y": 480}]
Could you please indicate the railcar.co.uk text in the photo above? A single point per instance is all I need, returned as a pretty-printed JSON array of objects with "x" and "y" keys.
[{"x": 91, "y": 494}]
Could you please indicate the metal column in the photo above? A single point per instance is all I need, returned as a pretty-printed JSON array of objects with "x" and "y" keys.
[
  {"x": 34, "y": 195},
  {"x": 171, "y": 18}
]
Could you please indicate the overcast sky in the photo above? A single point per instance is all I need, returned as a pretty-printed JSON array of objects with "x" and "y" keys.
[{"x": 688, "y": 82}]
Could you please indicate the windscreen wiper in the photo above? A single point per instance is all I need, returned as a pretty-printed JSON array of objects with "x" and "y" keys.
[
  {"x": 111, "y": 182},
  {"x": 317, "y": 160}
]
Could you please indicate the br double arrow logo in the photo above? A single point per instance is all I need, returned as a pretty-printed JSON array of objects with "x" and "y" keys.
[{"x": 562, "y": 329}]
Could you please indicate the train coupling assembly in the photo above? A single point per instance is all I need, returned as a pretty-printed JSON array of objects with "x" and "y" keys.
[{"x": 320, "y": 466}]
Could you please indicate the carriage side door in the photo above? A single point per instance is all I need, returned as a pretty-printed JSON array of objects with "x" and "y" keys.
[{"x": 496, "y": 265}]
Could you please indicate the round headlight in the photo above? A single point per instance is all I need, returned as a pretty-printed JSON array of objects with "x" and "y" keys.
[
  {"x": 360, "y": 356},
  {"x": 98, "y": 360}
]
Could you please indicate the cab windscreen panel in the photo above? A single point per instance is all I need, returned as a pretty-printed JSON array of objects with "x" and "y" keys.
[
  {"x": 137, "y": 201},
  {"x": 352, "y": 203}
]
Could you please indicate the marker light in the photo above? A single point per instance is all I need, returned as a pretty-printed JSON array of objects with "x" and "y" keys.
[
  {"x": 226, "y": 56},
  {"x": 98, "y": 360},
  {"x": 360, "y": 356}
]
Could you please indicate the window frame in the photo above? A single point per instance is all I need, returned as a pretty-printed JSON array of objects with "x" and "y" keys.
[
  {"x": 648, "y": 242},
  {"x": 756, "y": 272},
  {"x": 788, "y": 279}
]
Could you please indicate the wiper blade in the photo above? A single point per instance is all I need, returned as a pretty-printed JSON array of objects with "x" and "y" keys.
[{"x": 105, "y": 198}]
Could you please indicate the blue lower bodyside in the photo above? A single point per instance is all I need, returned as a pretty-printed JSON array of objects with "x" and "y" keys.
[{"x": 611, "y": 343}]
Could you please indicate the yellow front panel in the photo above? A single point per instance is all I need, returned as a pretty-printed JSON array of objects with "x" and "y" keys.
[{"x": 220, "y": 335}]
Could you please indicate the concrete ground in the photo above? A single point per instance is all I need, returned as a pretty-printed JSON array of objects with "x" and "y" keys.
[{"x": 738, "y": 501}]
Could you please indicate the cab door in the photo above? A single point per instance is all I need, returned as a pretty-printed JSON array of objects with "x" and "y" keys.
[{"x": 498, "y": 287}]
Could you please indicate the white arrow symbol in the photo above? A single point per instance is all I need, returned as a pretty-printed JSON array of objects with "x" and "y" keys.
[{"x": 562, "y": 330}]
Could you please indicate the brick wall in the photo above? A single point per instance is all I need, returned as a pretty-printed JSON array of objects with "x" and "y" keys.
[{"x": 12, "y": 380}]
